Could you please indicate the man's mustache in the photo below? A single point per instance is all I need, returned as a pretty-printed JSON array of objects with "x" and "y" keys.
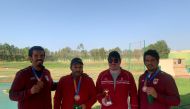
[
  {"x": 150, "y": 65},
  {"x": 39, "y": 60}
]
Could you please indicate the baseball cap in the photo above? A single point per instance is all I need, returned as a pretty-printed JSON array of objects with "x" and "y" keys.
[{"x": 76, "y": 61}]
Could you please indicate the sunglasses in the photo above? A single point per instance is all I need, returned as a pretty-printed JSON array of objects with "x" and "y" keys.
[{"x": 113, "y": 60}]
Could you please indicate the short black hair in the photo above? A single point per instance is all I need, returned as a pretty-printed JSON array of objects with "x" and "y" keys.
[
  {"x": 152, "y": 53},
  {"x": 114, "y": 54},
  {"x": 76, "y": 60},
  {"x": 38, "y": 48}
]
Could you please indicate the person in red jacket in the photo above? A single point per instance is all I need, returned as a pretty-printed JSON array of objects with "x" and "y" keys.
[
  {"x": 75, "y": 91},
  {"x": 115, "y": 85},
  {"x": 32, "y": 85},
  {"x": 157, "y": 89}
]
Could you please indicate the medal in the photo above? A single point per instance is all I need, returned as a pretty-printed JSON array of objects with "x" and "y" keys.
[
  {"x": 77, "y": 89},
  {"x": 144, "y": 89},
  {"x": 77, "y": 97}
]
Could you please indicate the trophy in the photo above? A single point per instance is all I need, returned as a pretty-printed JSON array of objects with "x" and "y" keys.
[{"x": 107, "y": 97}]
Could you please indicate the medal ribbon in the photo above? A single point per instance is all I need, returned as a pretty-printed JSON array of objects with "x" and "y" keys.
[
  {"x": 35, "y": 74},
  {"x": 77, "y": 87},
  {"x": 148, "y": 78}
]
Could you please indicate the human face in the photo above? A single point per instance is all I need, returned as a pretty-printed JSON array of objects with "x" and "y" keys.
[
  {"x": 114, "y": 64},
  {"x": 77, "y": 69},
  {"x": 151, "y": 63},
  {"x": 37, "y": 59}
]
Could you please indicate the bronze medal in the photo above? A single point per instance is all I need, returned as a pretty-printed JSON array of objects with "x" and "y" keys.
[
  {"x": 144, "y": 88},
  {"x": 77, "y": 97}
]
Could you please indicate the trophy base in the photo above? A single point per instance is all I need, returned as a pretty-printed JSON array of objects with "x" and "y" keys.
[{"x": 109, "y": 103}]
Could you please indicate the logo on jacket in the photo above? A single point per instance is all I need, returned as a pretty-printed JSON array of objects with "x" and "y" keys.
[{"x": 155, "y": 81}]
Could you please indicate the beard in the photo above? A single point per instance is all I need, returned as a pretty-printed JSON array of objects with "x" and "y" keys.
[
  {"x": 76, "y": 74},
  {"x": 40, "y": 63},
  {"x": 151, "y": 68},
  {"x": 41, "y": 66}
]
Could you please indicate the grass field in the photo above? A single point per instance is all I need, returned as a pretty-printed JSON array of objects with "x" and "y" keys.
[{"x": 58, "y": 69}]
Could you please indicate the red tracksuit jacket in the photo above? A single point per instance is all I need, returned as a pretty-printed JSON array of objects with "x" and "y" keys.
[
  {"x": 20, "y": 90},
  {"x": 64, "y": 95},
  {"x": 125, "y": 87},
  {"x": 166, "y": 89}
]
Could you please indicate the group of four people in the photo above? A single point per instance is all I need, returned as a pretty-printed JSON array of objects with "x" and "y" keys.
[{"x": 115, "y": 87}]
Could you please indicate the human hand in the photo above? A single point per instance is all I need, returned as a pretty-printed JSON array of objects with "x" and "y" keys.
[
  {"x": 37, "y": 87},
  {"x": 83, "y": 106},
  {"x": 151, "y": 91},
  {"x": 104, "y": 102},
  {"x": 40, "y": 84}
]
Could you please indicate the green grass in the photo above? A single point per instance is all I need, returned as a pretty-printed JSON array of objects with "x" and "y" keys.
[
  {"x": 17, "y": 65},
  {"x": 188, "y": 62},
  {"x": 183, "y": 85},
  {"x": 180, "y": 55}
]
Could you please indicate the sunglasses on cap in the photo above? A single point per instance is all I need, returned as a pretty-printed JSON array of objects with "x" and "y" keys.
[{"x": 115, "y": 60}]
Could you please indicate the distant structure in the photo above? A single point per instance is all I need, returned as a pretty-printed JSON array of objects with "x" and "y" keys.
[{"x": 175, "y": 67}]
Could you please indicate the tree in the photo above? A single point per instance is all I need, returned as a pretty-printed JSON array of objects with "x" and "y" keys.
[
  {"x": 81, "y": 51},
  {"x": 102, "y": 53},
  {"x": 116, "y": 49},
  {"x": 94, "y": 54},
  {"x": 162, "y": 48},
  {"x": 137, "y": 53},
  {"x": 80, "y": 47}
]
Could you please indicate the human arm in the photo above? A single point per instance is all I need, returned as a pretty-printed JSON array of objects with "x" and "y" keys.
[
  {"x": 171, "y": 96},
  {"x": 54, "y": 86},
  {"x": 58, "y": 95},
  {"x": 99, "y": 90},
  {"x": 92, "y": 94},
  {"x": 18, "y": 90},
  {"x": 133, "y": 93},
  {"x": 139, "y": 89}
]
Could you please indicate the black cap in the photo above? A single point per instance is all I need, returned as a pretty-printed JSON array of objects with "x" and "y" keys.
[
  {"x": 114, "y": 54},
  {"x": 76, "y": 61}
]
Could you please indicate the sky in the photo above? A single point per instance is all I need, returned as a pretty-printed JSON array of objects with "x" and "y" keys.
[{"x": 55, "y": 24}]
